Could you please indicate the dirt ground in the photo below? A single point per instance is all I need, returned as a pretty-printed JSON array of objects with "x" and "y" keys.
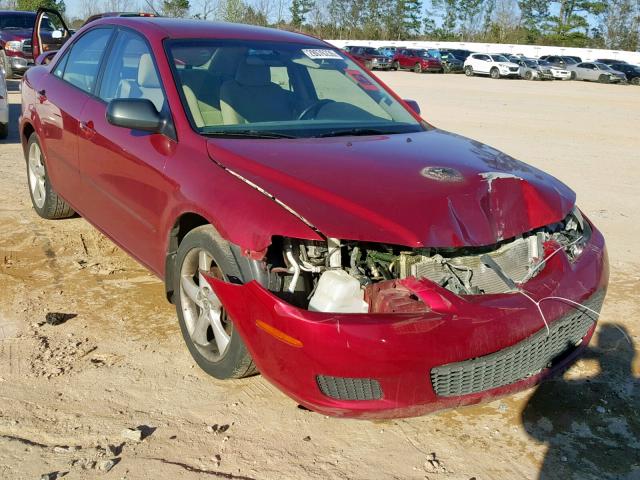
[{"x": 68, "y": 391}]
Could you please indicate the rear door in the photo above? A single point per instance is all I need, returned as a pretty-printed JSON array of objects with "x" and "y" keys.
[
  {"x": 60, "y": 99},
  {"x": 124, "y": 185}
]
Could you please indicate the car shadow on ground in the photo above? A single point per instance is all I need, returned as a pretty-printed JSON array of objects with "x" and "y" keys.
[{"x": 591, "y": 425}]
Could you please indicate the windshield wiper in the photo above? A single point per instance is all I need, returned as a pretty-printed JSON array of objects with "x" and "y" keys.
[
  {"x": 347, "y": 132},
  {"x": 247, "y": 134}
]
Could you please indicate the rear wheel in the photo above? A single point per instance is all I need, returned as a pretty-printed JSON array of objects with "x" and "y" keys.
[
  {"x": 603, "y": 78},
  {"x": 635, "y": 81},
  {"x": 468, "y": 71},
  {"x": 528, "y": 75},
  {"x": 46, "y": 202},
  {"x": 495, "y": 73},
  {"x": 573, "y": 75},
  {"x": 417, "y": 68},
  {"x": 206, "y": 327},
  {"x": 395, "y": 66}
]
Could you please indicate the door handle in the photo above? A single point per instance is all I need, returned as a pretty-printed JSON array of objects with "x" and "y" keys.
[{"x": 86, "y": 129}]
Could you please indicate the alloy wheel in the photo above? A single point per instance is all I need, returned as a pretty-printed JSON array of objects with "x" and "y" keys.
[
  {"x": 37, "y": 176},
  {"x": 205, "y": 318}
]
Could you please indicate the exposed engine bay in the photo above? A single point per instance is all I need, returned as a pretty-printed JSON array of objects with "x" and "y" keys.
[{"x": 358, "y": 277}]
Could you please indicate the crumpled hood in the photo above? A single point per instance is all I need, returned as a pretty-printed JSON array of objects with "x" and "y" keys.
[{"x": 433, "y": 188}]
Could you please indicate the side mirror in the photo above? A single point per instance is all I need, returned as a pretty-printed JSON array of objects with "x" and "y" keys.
[
  {"x": 135, "y": 113},
  {"x": 413, "y": 105},
  {"x": 45, "y": 58},
  {"x": 57, "y": 34}
]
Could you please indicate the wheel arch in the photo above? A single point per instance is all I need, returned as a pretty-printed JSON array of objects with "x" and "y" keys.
[{"x": 183, "y": 224}]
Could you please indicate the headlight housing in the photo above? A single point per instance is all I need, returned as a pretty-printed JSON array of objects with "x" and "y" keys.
[{"x": 13, "y": 46}]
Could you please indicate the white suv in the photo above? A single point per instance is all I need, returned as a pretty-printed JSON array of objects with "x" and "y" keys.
[{"x": 490, "y": 64}]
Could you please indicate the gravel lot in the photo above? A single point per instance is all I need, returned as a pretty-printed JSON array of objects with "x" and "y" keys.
[{"x": 68, "y": 392}]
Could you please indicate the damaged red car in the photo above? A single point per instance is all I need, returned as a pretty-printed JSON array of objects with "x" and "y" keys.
[{"x": 307, "y": 223}]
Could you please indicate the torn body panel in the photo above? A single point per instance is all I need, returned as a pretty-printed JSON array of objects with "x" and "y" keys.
[
  {"x": 360, "y": 189},
  {"x": 400, "y": 351}
]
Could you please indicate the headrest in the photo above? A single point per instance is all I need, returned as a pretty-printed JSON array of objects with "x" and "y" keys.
[
  {"x": 147, "y": 76},
  {"x": 253, "y": 72}
]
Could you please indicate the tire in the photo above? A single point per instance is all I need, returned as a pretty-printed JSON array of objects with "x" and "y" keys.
[
  {"x": 46, "y": 202},
  {"x": 4, "y": 61},
  {"x": 573, "y": 75},
  {"x": 635, "y": 81},
  {"x": 417, "y": 68},
  {"x": 603, "y": 78},
  {"x": 446, "y": 68},
  {"x": 495, "y": 73},
  {"x": 528, "y": 75},
  {"x": 204, "y": 248},
  {"x": 395, "y": 66},
  {"x": 468, "y": 71},
  {"x": 4, "y": 130}
]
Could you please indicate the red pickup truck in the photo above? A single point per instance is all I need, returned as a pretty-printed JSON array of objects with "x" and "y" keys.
[
  {"x": 15, "y": 41},
  {"x": 417, "y": 60}
]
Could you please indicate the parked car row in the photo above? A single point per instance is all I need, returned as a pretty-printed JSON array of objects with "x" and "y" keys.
[
  {"x": 496, "y": 65},
  {"x": 552, "y": 67}
]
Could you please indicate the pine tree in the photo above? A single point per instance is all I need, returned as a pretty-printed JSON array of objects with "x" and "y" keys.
[
  {"x": 299, "y": 11},
  {"x": 175, "y": 8}
]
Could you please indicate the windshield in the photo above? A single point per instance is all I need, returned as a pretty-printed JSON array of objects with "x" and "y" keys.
[
  {"x": 544, "y": 63},
  {"x": 499, "y": 58},
  {"x": 424, "y": 54},
  {"x": 570, "y": 60},
  {"x": 370, "y": 51},
  {"x": 603, "y": 66},
  {"x": 17, "y": 21},
  {"x": 250, "y": 88},
  {"x": 530, "y": 63}
]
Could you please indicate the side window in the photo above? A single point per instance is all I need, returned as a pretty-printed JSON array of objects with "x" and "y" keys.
[
  {"x": 83, "y": 61},
  {"x": 59, "y": 70},
  {"x": 130, "y": 71}
]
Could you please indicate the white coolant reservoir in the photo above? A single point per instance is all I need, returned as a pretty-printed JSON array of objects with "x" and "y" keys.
[{"x": 338, "y": 291}]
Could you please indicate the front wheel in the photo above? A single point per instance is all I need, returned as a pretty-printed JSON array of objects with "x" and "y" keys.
[
  {"x": 395, "y": 66},
  {"x": 635, "y": 81},
  {"x": 573, "y": 75},
  {"x": 528, "y": 75},
  {"x": 417, "y": 68},
  {"x": 46, "y": 202},
  {"x": 603, "y": 78},
  {"x": 468, "y": 71},
  {"x": 495, "y": 73},
  {"x": 206, "y": 327}
]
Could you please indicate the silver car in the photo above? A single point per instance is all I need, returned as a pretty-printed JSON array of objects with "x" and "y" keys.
[
  {"x": 596, "y": 72},
  {"x": 4, "y": 107},
  {"x": 530, "y": 69}
]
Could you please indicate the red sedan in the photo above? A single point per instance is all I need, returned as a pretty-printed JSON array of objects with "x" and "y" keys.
[{"x": 307, "y": 223}]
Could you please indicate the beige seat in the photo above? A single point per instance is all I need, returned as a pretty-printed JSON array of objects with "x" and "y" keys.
[
  {"x": 251, "y": 96},
  {"x": 146, "y": 86},
  {"x": 202, "y": 93}
]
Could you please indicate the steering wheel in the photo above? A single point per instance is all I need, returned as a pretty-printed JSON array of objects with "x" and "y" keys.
[{"x": 314, "y": 107}]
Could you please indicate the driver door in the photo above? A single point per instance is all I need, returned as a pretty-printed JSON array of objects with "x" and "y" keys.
[{"x": 49, "y": 33}]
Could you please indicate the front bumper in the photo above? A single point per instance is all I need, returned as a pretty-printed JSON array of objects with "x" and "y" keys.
[
  {"x": 20, "y": 64},
  {"x": 391, "y": 359}
]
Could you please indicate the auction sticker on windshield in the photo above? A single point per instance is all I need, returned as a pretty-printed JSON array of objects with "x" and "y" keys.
[{"x": 321, "y": 53}]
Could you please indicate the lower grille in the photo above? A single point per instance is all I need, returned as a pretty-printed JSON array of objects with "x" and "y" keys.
[
  {"x": 342, "y": 388},
  {"x": 519, "y": 361}
]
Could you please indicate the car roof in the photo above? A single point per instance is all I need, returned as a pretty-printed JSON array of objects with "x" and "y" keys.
[
  {"x": 187, "y": 28},
  {"x": 18, "y": 12}
]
